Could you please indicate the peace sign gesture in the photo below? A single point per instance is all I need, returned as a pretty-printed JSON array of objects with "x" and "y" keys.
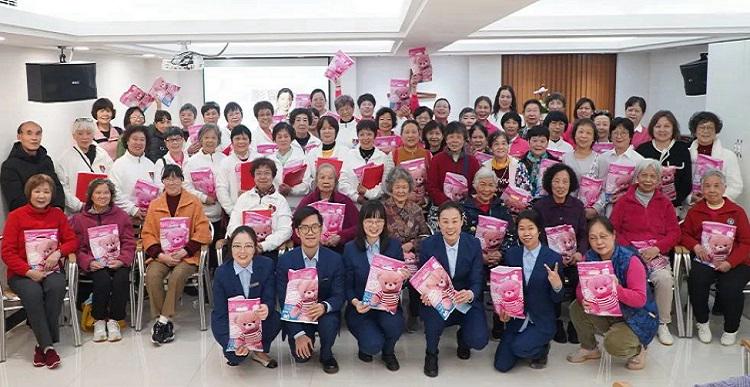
[{"x": 553, "y": 277}]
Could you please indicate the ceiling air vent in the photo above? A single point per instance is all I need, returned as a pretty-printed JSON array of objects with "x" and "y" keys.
[{"x": 12, "y": 3}]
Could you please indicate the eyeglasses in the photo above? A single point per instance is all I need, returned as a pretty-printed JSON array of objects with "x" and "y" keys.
[
  {"x": 171, "y": 180},
  {"x": 247, "y": 246},
  {"x": 373, "y": 222},
  {"x": 309, "y": 228},
  {"x": 174, "y": 139},
  {"x": 84, "y": 119}
]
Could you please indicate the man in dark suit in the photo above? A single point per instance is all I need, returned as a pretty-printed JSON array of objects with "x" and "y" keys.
[
  {"x": 460, "y": 254},
  {"x": 308, "y": 223}
]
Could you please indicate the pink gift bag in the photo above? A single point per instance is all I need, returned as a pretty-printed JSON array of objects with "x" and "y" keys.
[
  {"x": 174, "y": 233},
  {"x": 245, "y": 327},
  {"x": 455, "y": 186},
  {"x": 383, "y": 288},
  {"x": 506, "y": 290},
  {"x": 589, "y": 191},
  {"x": 718, "y": 239},
  {"x": 301, "y": 295},
  {"x": 39, "y": 245},
  {"x": 104, "y": 242},
  {"x": 598, "y": 285},
  {"x": 490, "y": 232},
  {"x": 562, "y": 239},
  {"x": 420, "y": 64}
]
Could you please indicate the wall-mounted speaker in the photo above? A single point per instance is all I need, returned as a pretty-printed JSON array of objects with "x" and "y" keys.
[
  {"x": 694, "y": 75},
  {"x": 61, "y": 82}
]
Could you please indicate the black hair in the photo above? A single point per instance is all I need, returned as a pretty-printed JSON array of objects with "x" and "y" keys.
[
  {"x": 704, "y": 116},
  {"x": 624, "y": 122},
  {"x": 670, "y": 117},
  {"x": 497, "y": 134},
  {"x": 604, "y": 221},
  {"x": 128, "y": 113},
  {"x": 450, "y": 204},
  {"x": 103, "y": 104},
  {"x": 367, "y": 125},
  {"x": 243, "y": 229},
  {"x": 554, "y": 96},
  {"x": 314, "y": 112},
  {"x": 231, "y": 107},
  {"x": 441, "y": 99},
  {"x": 300, "y": 111},
  {"x": 580, "y": 103},
  {"x": 535, "y": 217},
  {"x": 262, "y": 105},
  {"x": 172, "y": 170},
  {"x": 455, "y": 127},
  {"x": 303, "y": 213},
  {"x": 173, "y": 131},
  {"x": 464, "y": 111},
  {"x": 482, "y": 98},
  {"x": 511, "y": 116},
  {"x": 386, "y": 110},
  {"x": 604, "y": 113},
  {"x": 189, "y": 106},
  {"x": 263, "y": 162},
  {"x": 513, "y": 103},
  {"x": 409, "y": 122},
  {"x": 161, "y": 115},
  {"x": 240, "y": 130},
  {"x": 285, "y": 90},
  {"x": 636, "y": 100},
  {"x": 371, "y": 209},
  {"x": 475, "y": 127},
  {"x": 331, "y": 121},
  {"x": 581, "y": 122},
  {"x": 135, "y": 129},
  {"x": 532, "y": 101},
  {"x": 550, "y": 173},
  {"x": 210, "y": 105},
  {"x": 537, "y": 131},
  {"x": 316, "y": 91},
  {"x": 280, "y": 127},
  {"x": 423, "y": 109},
  {"x": 429, "y": 127},
  {"x": 95, "y": 184},
  {"x": 555, "y": 116},
  {"x": 365, "y": 97}
]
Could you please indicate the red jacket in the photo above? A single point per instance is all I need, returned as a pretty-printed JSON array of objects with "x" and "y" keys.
[
  {"x": 633, "y": 222},
  {"x": 730, "y": 213},
  {"x": 29, "y": 218},
  {"x": 82, "y": 221},
  {"x": 443, "y": 163}
]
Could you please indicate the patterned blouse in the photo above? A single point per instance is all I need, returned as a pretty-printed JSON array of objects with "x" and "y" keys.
[{"x": 406, "y": 224}]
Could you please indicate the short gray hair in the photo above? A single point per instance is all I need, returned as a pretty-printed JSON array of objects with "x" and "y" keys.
[
  {"x": 343, "y": 100},
  {"x": 484, "y": 173},
  {"x": 83, "y": 124},
  {"x": 330, "y": 166},
  {"x": 645, "y": 163},
  {"x": 714, "y": 172},
  {"x": 396, "y": 174},
  {"x": 207, "y": 128}
]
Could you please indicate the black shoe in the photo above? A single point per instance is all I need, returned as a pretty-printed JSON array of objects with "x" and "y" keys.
[
  {"x": 463, "y": 352},
  {"x": 560, "y": 336},
  {"x": 498, "y": 328},
  {"x": 330, "y": 366},
  {"x": 431, "y": 365},
  {"x": 364, "y": 357},
  {"x": 169, "y": 332},
  {"x": 412, "y": 324},
  {"x": 538, "y": 364},
  {"x": 158, "y": 332},
  {"x": 232, "y": 364},
  {"x": 572, "y": 334},
  {"x": 391, "y": 362}
]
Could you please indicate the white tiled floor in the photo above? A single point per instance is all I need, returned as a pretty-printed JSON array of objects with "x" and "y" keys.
[{"x": 194, "y": 359}]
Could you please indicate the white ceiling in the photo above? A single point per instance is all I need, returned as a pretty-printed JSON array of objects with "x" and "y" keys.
[{"x": 382, "y": 27}]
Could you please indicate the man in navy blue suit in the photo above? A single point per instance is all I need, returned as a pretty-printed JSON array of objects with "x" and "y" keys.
[
  {"x": 460, "y": 254},
  {"x": 308, "y": 223}
]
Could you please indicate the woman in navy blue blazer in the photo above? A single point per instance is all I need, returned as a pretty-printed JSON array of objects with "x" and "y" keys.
[
  {"x": 249, "y": 276},
  {"x": 375, "y": 330},
  {"x": 542, "y": 288}
]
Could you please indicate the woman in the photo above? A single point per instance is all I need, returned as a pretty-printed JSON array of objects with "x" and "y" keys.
[
  {"x": 705, "y": 126},
  {"x": 505, "y": 102},
  {"x": 303, "y": 139},
  {"x": 483, "y": 109},
  {"x": 284, "y": 99},
  {"x": 288, "y": 156},
  {"x": 664, "y": 147},
  {"x": 131, "y": 167},
  {"x": 188, "y": 113},
  {"x": 364, "y": 154},
  {"x": 433, "y": 137},
  {"x": 330, "y": 148},
  {"x": 529, "y": 165},
  {"x": 558, "y": 208},
  {"x": 134, "y": 116},
  {"x": 603, "y": 121},
  {"x": 556, "y": 121},
  {"x": 410, "y": 148},
  {"x": 467, "y": 117},
  {"x": 478, "y": 139},
  {"x": 263, "y": 133},
  {"x": 407, "y": 224},
  {"x": 626, "y": 336},
  {"x": 264, "y": 197},
  {"x": 366, "y": 105},
  {"x": 344, "y": 105},
  {"x": 106, "y": 135},
  {"x": 644, "y": 218},
  {"x": 622, "y": 153},
  {"x": 502, "y": 163},
  {"x": 454, "y": 160},
  {"x": 511, "y": 123},
  {"x": 176, "y": 155},
  {"x": 386, "y": 119},
  {"x": 442, "y": 110},
  {"x": 233, "y": 115},
  {"x": 584, "y": 108},
  {"x": 376, "y": 331},
  {"x": 84, "y": 157},
  {"x": 248, "y": 276},
  {"x": 422, "y": 116},
  {"x": 635, "y": 108},
  {"x": 108, "y": 268},
  {"x": 318, "y": 101},
  {"x": 325, "y": 184},
  {"x": 730, "y": 275},
  {"x": 583, "y": 159},
  {"x": 40, "y": 285},
  {"x": 543, "y": 291},
  {"x": 177, "y": 261}
]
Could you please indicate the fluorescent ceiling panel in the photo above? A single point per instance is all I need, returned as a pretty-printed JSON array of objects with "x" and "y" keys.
[
  {"x": 261, "y": 48},
  {"x": 584, "y": 44}
]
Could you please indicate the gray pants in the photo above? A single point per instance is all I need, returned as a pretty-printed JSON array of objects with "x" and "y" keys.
[{"x": 43, "y": 303}]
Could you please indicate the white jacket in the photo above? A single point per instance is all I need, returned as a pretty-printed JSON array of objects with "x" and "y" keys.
[
  {"x": 167, "y": 159},
  {"x": 259, "y": 137},
  {"x": 349, "y": 181},
  {"x": 226, "y": 140},
  {"x": 73, "y": 161},
  {"x": 347, "y": 135},
  {"x": 126, "y": 170},
  {"x": 297, "y": 157},
  {"x": 312, "y": 144},
  {"x": 228, "y": 180},
  {"x": 512, "y": 168},
  {"x": 339, "y": 152},
  {"x": 202, "y": 160},
  {"x": 281, "y": 221},
  {"x": 731, "y": 167}
]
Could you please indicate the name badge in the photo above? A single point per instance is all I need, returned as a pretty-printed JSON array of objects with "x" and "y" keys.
[{"x": 254, "y": 284}]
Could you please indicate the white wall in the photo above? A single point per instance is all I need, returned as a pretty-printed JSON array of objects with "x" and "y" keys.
[{"x": 655, "y": 76}]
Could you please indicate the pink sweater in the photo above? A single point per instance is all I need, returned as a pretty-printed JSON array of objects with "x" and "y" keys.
[{"x": 634, "y": 295}]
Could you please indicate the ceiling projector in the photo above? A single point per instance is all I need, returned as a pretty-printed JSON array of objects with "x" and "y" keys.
[{"x": 187, "y": 60}]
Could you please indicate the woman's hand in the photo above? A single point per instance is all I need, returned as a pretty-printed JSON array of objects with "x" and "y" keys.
[
  {"x": 210, "y": 200},
  {"x": 167, "y": 259},
  {"x": 262, "y": 311},
  {"x": 242, "y": 351},
  {"x": 334, "y": 240},
  {"x": 52, "y": 260},
  {"x": 590, "y": 213},
  {"x": 405, "y": 273},
  {"x": 361, "y": 307},
  {"x": 463, "y": 297},
  {"x": 503, "y": 316},
  {"x": 285, "y": 189},
  {"x": 35, "y": 275},
  {"x": 425, "y": 298},
  {"x": 361, "y": 189},
  {"x": 179, "y": 254},
  {"x": 114, "y": 264},
  {"x": 95, "y": 265},
  {"x": 702, "y": 253},
  {"x": 553, "y": 277},
  {"x": 723, "y": 266},
  {"x": 194, "y": 148},
  {"x": 650, "y": 253},
  {"x": 407, "y": 247}
]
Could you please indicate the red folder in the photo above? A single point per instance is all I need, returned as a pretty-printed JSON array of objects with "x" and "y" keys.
[
  {"x": 247, "y": 182},
  {"x": 294, "y": 175},
  {"x": 372, "y": 176},
  {"x": 83, "y": 181},
  {"x": 337, "y": 164}
]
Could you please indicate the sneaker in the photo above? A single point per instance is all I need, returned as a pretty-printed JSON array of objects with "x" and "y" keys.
[
  {"x": 51, "y": 359},
  {"x": 169, "y": 334},
  {"x": 113, "y": 331},
  {"x": 582, "y": 354},
  {"x": 100, "y": 331},
  {"x": 39, "y": 360},
  {"x": 704, "y": 332},
  {"x": 665, "y": 337},
  {"x": 638, "y": 361},
  {"x": 728, "y": 339},
  {"x": 158, "y": 333}
]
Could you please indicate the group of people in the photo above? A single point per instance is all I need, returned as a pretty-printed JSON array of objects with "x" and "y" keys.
[{"x": 408, "y": 184}]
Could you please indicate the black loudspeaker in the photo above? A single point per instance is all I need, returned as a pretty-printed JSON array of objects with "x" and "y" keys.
[
  {"x": 695, "y": 74},
  {"x": 61, "y": 82}
]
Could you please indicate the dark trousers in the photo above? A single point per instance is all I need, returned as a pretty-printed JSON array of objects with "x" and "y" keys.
[
  {"x": 376, "y": 331},
  {"x": 570, "y": 283},
  {"x": 327, "y": 328},
  {"x": 729, "y": 288},
  {"x": 415, "y": 301},
  {"x": 110, "y": 293},
  {"x": 270, "y": 328},
  {"x": 472, "y": 332},
  {"x": 43, "y": 303},
  {"x": 220, "y": 230},
  {"x": 529, "y": 344}
]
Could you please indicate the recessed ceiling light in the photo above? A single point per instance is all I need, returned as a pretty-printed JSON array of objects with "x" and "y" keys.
[
  {"x": 148, "y": 55},
  {"x": 80, "y": 48}
]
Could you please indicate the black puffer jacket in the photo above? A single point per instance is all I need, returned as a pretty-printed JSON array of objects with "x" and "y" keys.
[
  {"x": 18, "y": 168},
  {"x": 157, "y": 147}
]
